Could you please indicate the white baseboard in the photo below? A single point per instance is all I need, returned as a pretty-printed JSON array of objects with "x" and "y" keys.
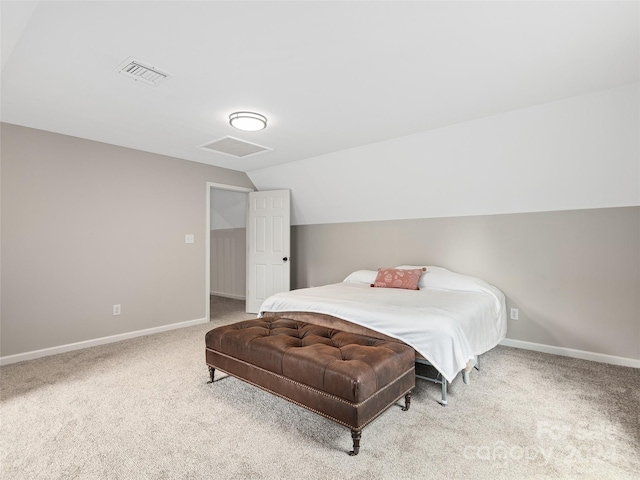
[
  {"x": 20, "y": 357},
  {"x": 228, "y": 295},
  {"x": 507, "y": 342},
  {"x": 570, "y": 352}
]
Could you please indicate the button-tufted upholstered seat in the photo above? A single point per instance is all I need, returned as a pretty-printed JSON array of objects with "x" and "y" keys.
[{"x": 346, "y": 377}]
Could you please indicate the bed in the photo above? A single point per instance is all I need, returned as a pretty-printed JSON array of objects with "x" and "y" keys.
[{"x": 450, "y": 321}]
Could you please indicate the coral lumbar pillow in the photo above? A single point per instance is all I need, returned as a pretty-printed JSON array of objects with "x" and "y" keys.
[{"x": 398, "y": 278}]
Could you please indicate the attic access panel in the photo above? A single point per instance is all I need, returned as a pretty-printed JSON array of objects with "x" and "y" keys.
[{"x": 234, "y": 147}]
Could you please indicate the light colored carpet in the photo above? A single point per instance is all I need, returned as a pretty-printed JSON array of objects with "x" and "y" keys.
[{"x": 141, "y": 409}]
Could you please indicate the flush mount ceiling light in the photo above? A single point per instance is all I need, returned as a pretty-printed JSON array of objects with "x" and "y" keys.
[{"x": 248, "y": 121}]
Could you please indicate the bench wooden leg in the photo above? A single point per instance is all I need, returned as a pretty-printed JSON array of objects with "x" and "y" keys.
[
  {"x": 407, "y": 402},
  {"x": 355, "y": 435},
  {"x": 212, "y": 371}
]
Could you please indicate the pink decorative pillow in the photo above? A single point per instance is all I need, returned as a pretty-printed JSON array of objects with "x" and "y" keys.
[{"x": 398, "y": 278}]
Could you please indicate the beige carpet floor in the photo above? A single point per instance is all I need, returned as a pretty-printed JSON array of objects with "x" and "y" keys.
[{"x": 141, "y": 409}]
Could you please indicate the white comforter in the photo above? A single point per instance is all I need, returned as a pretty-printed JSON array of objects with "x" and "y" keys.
[{"x": 448, "y": 321}]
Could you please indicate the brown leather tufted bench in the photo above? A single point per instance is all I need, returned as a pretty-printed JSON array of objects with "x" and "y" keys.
[{"x": 348, "y": 378}]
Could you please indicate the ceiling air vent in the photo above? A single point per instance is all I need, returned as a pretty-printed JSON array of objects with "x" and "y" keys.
[
  {"x": 142, "y": 72},
  {"x": 234, "y": 147}
]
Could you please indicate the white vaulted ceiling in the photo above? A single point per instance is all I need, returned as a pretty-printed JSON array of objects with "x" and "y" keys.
[{"x": 329, "y": 76}]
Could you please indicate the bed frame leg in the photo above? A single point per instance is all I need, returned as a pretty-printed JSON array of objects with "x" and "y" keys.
[
  {"x": 465, "y": 372},
  {"x": 407, "y": 402},
  {"x": 212, "y": 371},
  {"x": 444, "y": 392},
  {"x": 355, "y": 435}
]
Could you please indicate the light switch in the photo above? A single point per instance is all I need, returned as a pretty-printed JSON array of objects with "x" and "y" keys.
[{"x": 189, "y": 238}]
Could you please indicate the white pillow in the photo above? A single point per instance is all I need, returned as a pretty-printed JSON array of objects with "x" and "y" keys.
[
  {"x": 443, "y": 279},
  {"x": 361, "y": 276},
  {"x": 439, "y": 277},
  {"x": 421, "y": 283}
]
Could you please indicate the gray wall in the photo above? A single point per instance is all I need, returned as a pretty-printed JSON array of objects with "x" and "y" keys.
[
  {"x": 229, "y": 262},
  {"x": 86, "y": 225},
  {"x": 574, "y": 274}
]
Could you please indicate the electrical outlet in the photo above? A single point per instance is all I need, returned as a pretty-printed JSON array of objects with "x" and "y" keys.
[
  {"x": 189, "y": 238},
  {"x": 514, "y": 313},
  {"x": 116, "y": 309}
]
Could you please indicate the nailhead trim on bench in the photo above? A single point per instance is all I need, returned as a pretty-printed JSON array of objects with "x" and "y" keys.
[{"x": 315, "y": 391}]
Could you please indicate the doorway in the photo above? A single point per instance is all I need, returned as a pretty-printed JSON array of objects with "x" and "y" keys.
[{"x": 226, "y": 249}]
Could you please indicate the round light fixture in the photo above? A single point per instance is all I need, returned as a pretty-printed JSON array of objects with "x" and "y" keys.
[{"x": 248, "y": 121}]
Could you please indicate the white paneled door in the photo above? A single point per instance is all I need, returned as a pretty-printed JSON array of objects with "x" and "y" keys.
[{"x": 268, "y": 243}]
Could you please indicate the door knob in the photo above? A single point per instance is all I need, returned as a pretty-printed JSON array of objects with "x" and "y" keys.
[{"x": 285, "y": 259}]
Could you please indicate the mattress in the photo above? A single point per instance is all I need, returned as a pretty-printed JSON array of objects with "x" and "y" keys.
[{"x": 450, "y": 320}]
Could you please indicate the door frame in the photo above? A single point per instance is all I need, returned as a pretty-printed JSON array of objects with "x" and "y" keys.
[{"x": 207, "y": 240}]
